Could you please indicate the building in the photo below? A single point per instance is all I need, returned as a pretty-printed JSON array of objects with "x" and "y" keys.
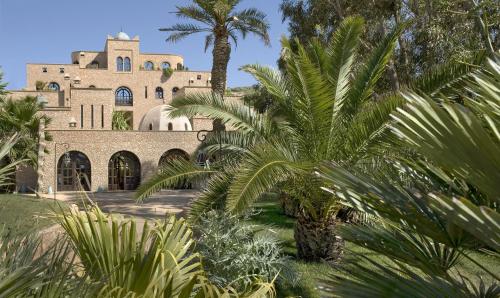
[{"x": 81, "y": 98}]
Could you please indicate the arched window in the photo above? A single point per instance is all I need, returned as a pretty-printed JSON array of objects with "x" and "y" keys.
[
  {"x": 159, "y": 93},
  {"x": 126, "y": 64},
  {"x": 175, "y": 90},
  {"x": 92, "y": 86},
  {"x": 148, "y": 65},
  {"x": 186, "y": 127},
  {"x": 54, "y": 86},
  {"x": 123, "y": 97},
  {"x": 119, "y": 64},
  {"x": 170, "y": 126},
  {"x": 165, "y": 65},
  {"x": 150, "y": 126}
]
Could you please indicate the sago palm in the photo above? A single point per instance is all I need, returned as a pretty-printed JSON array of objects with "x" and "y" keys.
[
  {"x": 324, "y": 110},
  {"x": 446, "y": 211},
  {"x": 220, "y": 22}
]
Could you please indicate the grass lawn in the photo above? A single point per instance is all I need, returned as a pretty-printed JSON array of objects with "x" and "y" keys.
[
  {"x": 271, "y": 215},
  {"x": 20, "y": 214}
]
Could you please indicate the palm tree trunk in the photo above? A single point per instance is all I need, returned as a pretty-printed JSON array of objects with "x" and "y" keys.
[
  {"x": 289, "y": 205},
  {"x": 221, "y": 53},
  {"x": 41, "y": 155},
  {"x": 316, "y": 240}
]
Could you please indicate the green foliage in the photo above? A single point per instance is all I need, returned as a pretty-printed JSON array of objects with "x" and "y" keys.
[
  {"x": 447, "y": 211},
  {"x": 40, "y": 85},
  {"x": 168, "y": 72},
  {"x": 22, "y": 117},
  {"x": 120, "y": 121},
  {"x": 234, "y": 253}
]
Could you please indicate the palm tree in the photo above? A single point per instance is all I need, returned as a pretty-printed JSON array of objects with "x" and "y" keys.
[
  {"x": 324, "y": 110},
  {"x": 23, "y": 117},
  {"x": 448, "y": 209},
  {"x": 220, "y": 21}
]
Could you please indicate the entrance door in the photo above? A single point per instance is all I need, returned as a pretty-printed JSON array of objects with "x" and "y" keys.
[
  {"x": 73, "y": 172},
  {"x": 124, "y": 171}
]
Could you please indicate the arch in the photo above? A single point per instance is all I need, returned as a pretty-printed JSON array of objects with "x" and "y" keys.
[
  {"x": 119, "y": 64},
  {"x": 165, "y": 65},
  {"x": 74, "y": 172},
  {"x": 170, "y": 126},
  {"x": 180, "y": 66},
  {"x": 148, "y": 65},
  {"x": 174, "y": 154},
  {"x": 124, "y": 97},
  {"x": 159, "y": 93},
  {"x": 54, "y": 86},
  {"x": 124, "y": 171},
  {"x": 127, "y": 66}
]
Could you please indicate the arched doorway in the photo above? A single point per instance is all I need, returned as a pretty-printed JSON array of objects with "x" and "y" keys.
[
  {"x": 171, "y": 155},
  {"x": 74, "y": 172},
  {"x": 124, "y": 171}
]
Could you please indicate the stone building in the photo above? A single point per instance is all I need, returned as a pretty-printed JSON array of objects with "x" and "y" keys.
[{"x": 81, "y": 98}]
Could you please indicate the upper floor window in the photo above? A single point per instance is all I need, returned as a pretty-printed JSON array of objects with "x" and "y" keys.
[
  {"x": 198, "y": 77},
  {"x": 170, "y": 126},
  {"x": 54, "y": 86},
  {"x": 123, "y": 97},
  {"x": 126, "y": 64},
  {"x": 44, "y": 69},
  {"x": 119, "y": 64},
  {"x": 165, "y": 65},
  {"x": 159, "y": 93},
  {"x": 61, "y": 70},
  {"x": 92, "y": 86},
  {"x": 148, "y": 65},
  {"x": 180, "y": 66}
]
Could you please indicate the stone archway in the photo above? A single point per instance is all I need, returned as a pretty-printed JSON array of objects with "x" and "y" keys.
[
  {"x": 74, "y": 172},
  {"x": 124, "y": 171},
  {"x": 173, "y": 154}
]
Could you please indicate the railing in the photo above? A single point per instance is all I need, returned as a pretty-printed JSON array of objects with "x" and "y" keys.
[{"x": 124, "y": 101}]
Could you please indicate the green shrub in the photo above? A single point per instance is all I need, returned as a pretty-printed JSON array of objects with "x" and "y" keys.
[
  {"x": 167, "y": 72},
  {"x": 234, "y": 253}
]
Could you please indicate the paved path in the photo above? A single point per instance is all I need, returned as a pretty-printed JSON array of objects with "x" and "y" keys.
[{"x": 164, "y": 202}]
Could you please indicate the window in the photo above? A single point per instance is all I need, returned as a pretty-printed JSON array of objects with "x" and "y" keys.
[
  {"x": 145, "y": 91},
  {"x": 102, "y": 116},
  {"x": 165, "y": 65},
  {"x": 119, "y": 64},
  {"x": 44, "y": 69},
  {"x": 92, "y": 116},
  {"x": 170, "y": 126},
  {"x": 159, "y": 93},
  {"x": 198, "y": 77},
  {"x": 180, "y": 66},
  {"x": 148, "y": 65},
  {"x": 150, "y": 126},
  {"x": 54, "y": 86},
  {"x": 185, "y": 126},
  {"x": 126, "y": 64},
  {"x": 92, "y": 86},
  {"x": 61, "y": 70},
  {"x": 123, "y": 97},
  {"x": 81, "y": 116},
  {"x": 174, "y": 90}
]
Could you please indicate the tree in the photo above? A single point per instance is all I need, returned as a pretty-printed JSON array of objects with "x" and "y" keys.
[
  {"x": 439, "y": 31},
  {"x": 435, "y": 208},
  {"x": 322, "y": 110},
  {"x": 221, "y": 22},
  {"x": 120, "y": 120},
  {"x": 23, "y": 117}
]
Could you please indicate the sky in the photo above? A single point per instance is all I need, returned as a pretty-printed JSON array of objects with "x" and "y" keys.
[{"x": 47, "y": 31}]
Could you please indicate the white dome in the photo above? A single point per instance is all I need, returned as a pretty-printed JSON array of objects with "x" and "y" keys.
[
  {"x": 158, "y": 119},
  {"x": 122, "y": 36}
]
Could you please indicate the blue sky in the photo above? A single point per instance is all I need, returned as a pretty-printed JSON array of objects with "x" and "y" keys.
[{"x": 48, "y": 31}]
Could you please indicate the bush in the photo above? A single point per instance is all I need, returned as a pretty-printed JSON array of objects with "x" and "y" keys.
[
  {"x": 167, "y": 72},
  {"x": 235, "y": 253}
]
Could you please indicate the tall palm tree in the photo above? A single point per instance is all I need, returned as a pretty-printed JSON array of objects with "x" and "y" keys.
[
  {"x": 324, "y": 110},
  {"x": 220, "y": 22}
]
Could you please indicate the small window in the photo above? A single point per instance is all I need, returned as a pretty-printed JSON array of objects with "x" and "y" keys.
[
  {"x": 180, "y": 66},
  {"x": 81, "y": 116},
  {"x": 170, "y": 126},
  {"x": 198, "y": 77},
  {"x": 61, "y": 70},
  {"x": 127, "y": 66},
  {"x": 175, "y": 90},
  {"x": 165, "y": 65},
  {"x": 92, "y": 86},
  {"x": 119, "y": 64},
  {"x": 92, "y": 116},
  {"x": 150, "y": 126},
  {"x": 44, "y": 69},
  {"x": 148, "y": 65},
  {"x": 145, "y": 91},
  {"x": 54, "y": 86},
  {"x": 102, "y": 116},
  {"x": 186, "y": 127},
  {"x": 159, "y": 93}
]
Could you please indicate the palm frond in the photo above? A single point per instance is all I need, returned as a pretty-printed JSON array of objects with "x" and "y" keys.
[
  {"x": 173, "y": 173},
  {"x": 212, "y": 197},
  {"x": 195, "y": 13},
  {"x": 181, "y": 31}
]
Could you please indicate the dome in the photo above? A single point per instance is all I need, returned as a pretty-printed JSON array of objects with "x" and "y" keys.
[
  {"x": 122, "y": 36},
  {"x": 157, "y": 119}
]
